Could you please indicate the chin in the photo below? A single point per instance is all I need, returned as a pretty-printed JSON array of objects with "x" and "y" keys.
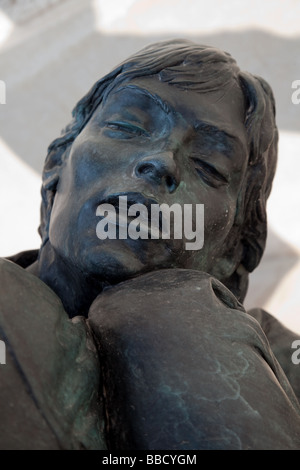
[{"x": 115, "y": 261}]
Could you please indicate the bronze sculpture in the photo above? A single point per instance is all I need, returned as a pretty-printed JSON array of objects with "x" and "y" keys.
[{"x": 158, "y": 351}]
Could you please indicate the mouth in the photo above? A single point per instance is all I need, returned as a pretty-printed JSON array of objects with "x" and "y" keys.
[
  {"x": 131, "y": 197},
  {"x": 125, "y": 213}
]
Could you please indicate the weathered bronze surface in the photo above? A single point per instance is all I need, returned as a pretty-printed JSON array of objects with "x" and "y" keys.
[{"x": 143, "y": 344}]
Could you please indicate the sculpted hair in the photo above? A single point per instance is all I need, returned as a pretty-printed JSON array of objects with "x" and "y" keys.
[
  {"x": 187, "y": 65},
  {"x": 251, "y": 222}
]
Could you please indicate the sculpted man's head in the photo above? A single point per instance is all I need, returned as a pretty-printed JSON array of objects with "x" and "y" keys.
[{"x": 175, "y": 123}]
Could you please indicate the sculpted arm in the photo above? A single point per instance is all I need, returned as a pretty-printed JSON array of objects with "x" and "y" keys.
[{"x": 185, "y": 367}]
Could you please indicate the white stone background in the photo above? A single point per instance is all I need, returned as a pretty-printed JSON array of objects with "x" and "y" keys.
[{"x": 52, "y": 51}]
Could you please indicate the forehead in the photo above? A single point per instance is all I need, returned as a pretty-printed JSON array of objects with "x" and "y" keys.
[{"x": 218, "y": 110}]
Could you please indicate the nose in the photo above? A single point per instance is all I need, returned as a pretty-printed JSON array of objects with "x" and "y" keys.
[{"x": 159, "y": 169}]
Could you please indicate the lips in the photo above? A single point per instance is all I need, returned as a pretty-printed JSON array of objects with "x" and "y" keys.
[
  {"x": 132, "y": 198},
  {"x": 122, "y": 203}
]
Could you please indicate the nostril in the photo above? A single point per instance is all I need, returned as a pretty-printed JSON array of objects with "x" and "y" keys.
[
  {"x": 144, "y": 168},
  {"x": 171, "y": 183},
  {"x": 157, "y": 171}
]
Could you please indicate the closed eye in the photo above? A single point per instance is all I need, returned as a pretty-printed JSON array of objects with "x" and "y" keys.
[
  {"x": 126, "y": 128},
  {"x": 209, "y": 173}
]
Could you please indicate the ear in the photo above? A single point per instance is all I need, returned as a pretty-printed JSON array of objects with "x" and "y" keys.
[
  {"x": 46, "y": 208},
  {"x": 243, "y": 251},
  {"x": 237, "y": 283},
  {"x": 52, "y": 168},
  {"x": 51, "y": 175},
  {"x": 230, "y": 268}
]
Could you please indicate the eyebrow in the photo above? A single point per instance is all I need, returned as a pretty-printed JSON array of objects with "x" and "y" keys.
[
  {"x": 156, "y": 98},
  {"x": 221, "y": 136},
  {"x": 201, "y": 126}
]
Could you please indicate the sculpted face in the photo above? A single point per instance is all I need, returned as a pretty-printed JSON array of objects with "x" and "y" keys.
[{"x": 151, "y": 141}]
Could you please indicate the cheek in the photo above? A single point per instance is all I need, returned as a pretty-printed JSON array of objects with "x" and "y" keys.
[
  {"x": 219, "y": 207},
  {"x": 219, "y": 214},
  {"x": 94, "y": 159},
  {"x": 85, "y": 164}
]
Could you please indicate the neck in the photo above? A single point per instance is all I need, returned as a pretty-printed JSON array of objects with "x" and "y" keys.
[{"x": 76, "y": 291}]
